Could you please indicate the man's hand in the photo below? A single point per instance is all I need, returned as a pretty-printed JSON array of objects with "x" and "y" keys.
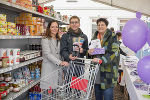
[
  {"x": 72, "y": 58},
  {"x": 95, "y": 60},
  {"x": 81, "y": 50}
]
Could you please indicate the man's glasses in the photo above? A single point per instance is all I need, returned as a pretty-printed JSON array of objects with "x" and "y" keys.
[{"x": 74, "y": 22}]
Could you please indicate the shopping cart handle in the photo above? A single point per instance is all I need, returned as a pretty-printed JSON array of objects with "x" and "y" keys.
[{"x": 100, "y": 61}]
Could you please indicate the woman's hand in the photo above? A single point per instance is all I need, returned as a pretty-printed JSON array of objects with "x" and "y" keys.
[
  {"x": 64, "y": 63},
  {"x": 81, "y": 50},
  {"x": 90, "y": 51}
]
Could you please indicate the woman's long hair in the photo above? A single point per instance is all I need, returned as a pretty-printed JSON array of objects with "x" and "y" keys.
[{"x": 48, "y": 32}]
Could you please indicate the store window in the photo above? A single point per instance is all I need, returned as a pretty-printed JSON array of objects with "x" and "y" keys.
[{"x": 122, "y": 22}]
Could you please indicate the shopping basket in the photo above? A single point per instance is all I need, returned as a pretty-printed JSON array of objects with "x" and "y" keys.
[{"x": 71, "y": 83}]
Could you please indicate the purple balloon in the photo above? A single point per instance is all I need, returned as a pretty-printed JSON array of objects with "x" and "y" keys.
[
  {"x": 134, "y": 34},
  {"x": 138, "y": 15},
  {"x": 148, "y": 37},
  {"x": 143, "y": 69}
]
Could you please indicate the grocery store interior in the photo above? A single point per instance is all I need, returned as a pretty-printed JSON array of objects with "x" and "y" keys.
[{"x": 23, "y": 24}]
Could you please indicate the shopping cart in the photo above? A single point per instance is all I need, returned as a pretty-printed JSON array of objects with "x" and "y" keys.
[{"x": 73, "y": 83}]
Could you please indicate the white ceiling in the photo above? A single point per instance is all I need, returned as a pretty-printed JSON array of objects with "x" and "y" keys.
[
  {"x": 142, "y": 6},
  {"x": 60, "y": 4}
]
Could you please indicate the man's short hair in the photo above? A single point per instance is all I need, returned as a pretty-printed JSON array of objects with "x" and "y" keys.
[
  {"x": 74, "y": 17},
  {"x": 102, "y": 20},
  {"x": 118, "y": 33},
  {"x": 112, "y": 29}
]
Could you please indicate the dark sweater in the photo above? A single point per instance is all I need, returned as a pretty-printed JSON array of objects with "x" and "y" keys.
[{"x": 66, "y": 44}]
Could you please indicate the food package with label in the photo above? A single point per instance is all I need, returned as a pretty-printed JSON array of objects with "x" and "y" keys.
[
  {"x": 26, "y": 15},
  {"x": 3, "y": 52},
  {"x": 31, "y": 29},
  {"x": 11, "y": 25},
  {"x": 34, "y": 20},
  {"x": 3, "y": 31},
  {"x": 16, "y": 52},
  {"x": 11, "y": 31},
  {"x": 3, "y": 24},
  {"x": 37, "y": 30},
  {"x": 11, "y": 60},
  {"x": 9, "y": 52},
  {"x": 5, "y": 62},
  {"x": 16, "y": 60},
  {"x": 21, "y": 28},
  {"x": 38, "y": 19},
  {"x": 3, "y": 17}
]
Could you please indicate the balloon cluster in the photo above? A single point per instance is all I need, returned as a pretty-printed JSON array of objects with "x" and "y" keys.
[{"x": 134, "y": 35}]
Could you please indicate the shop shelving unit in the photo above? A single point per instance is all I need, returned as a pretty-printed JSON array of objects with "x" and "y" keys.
[
  {"x": 17, "y": 8},
  {"x": 3, "y": 70},
  {"x": 7, "y": 41}
]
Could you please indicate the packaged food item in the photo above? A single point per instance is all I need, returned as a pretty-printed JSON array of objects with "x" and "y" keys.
[
  {"x": 3, "y": 24},
  {"x": 16, "y": 60},
  {"x": 3, "y": 17},
  {"x": 11, "y": 60},
  {"x": 8, "y": 76},
  {"x": 18, "y": 74},
  {"x": 10, "y": 86},
  {"x": 3, "y": 52},
  {"x": 11, "y": 31},
  {"x": 1, "y": 77},
  {"x": 26, "y": 15},
  {"x": 9, "y": 52},
  {"x": 22, "y": 58},
  {"x": 32, "y": 73},
  {"x": 16, "y": 87},
  {"x": 16, "y": 52},
  {"x": 37, "y": 72},
  {"x": 11, "y": 25},
  {"x": 3, "y": 31},
  {"x": 3, "y": 90},
  {"x": 5, "y": 62},
  {"x": 26, "y": 73}
]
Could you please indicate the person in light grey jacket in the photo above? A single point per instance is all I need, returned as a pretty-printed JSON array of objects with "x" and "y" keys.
[{"x": 51, "y": 57}]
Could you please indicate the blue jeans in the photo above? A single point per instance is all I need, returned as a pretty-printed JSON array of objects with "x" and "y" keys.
[{"x": 103, "y": 94}]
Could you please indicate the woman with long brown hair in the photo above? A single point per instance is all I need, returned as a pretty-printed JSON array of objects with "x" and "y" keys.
[{"x": 51, "y": 57}]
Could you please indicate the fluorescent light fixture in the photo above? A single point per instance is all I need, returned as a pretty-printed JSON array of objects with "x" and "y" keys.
[{"x": 71, "y": 1}]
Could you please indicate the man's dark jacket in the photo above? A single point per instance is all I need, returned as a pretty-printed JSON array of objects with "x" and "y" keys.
[{"x": 66, "y": 44}]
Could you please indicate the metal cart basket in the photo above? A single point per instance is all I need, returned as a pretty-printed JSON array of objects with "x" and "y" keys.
[{"x": 73, "y": 83}]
